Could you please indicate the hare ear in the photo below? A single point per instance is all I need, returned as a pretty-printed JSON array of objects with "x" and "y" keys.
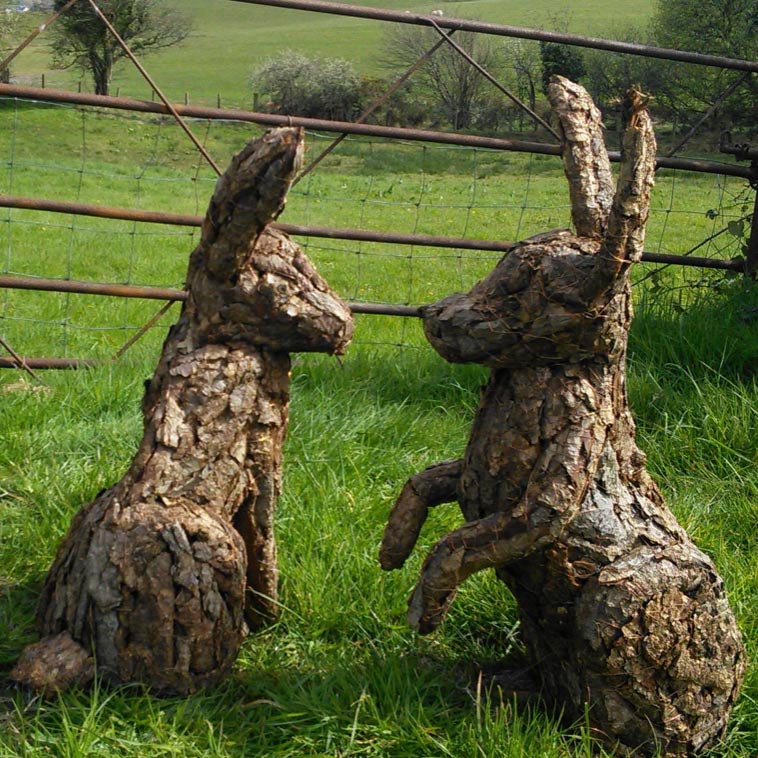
[
  {"x": 248, "y": 196},
  {"x": 585, "y": 158},
  {"x": 263, "y": 174},
  {"x": 625, "y": 234}
]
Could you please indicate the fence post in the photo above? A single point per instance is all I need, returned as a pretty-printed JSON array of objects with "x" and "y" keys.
[
  {"x": 745, "y": 152},
  {"x": 751, "y": 254}
]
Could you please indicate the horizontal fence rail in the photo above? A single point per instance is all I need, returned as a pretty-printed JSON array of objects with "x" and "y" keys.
[
  {"x": 519, "y": 32},
  {"x": 163, "y": 293},
  {"x": 358, "y": 235},
  {"x": 181, "y": 219},
  {"x": 349, "y": 127},
  {"x": 49, "y": 363}
]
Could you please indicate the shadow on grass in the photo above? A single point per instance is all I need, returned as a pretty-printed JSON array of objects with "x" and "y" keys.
[
  {"x": 291, "y": 700},
  {"x": 18, "y": 602}
]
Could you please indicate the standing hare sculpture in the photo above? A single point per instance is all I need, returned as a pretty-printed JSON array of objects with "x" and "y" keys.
[
  {"x": 620, "y": 612},
  {"x": 155, "y": 575}
]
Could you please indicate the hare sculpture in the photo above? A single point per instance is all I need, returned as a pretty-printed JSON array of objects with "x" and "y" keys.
[
  {"x": 620, "y": 612},
  {"x": 153, "y": 579}
]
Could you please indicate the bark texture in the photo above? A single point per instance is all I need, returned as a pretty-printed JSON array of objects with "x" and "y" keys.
[
  {"x": 619, "y": 610},
  {"x": 154, "y": 577}
]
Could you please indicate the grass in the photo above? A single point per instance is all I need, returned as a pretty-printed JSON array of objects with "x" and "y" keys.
[
  {"x": 340, "y": 674},
  {"x": 231, "y": 38}
]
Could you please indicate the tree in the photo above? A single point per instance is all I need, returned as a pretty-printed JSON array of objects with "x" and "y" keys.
[
  {"x": 447, "y": 78},
  {"x": 608, "y": 73},
  {"x": 717, "y": 27},
  {"x": 527, "y": 67},
  {"x": 83, "y": 41},
  {"x": 561, "y": 60},
  {"x": 314, "y": 87},
  {"x": 557, "y": 59}
]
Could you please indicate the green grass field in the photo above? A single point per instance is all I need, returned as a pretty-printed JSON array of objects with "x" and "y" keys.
[
  {"x": 230, "y": 38},
  {"x": 341, "y": 674}
]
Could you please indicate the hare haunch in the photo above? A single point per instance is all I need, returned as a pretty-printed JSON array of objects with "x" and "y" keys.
[
  {"x": 620, "y": 612},
  {"x": 154, "y": 576}
]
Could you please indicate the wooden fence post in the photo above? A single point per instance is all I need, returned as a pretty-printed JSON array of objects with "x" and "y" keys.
[{"x": 751, "y": 254}]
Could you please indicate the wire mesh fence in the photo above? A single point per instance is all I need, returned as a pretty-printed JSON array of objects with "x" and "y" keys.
[
  {"x": 413, "y": 188},
  {"x": 85, "y": 154}
]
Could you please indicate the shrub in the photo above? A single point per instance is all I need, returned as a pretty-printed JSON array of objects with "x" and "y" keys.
[{"x": 295, "y": 84}]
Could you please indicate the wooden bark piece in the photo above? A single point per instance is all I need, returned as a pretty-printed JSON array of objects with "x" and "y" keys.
[
  {"x": 585, "y": 158},
  {"x": 619, "y": 610},
  {"x": 155, "y": 575}
]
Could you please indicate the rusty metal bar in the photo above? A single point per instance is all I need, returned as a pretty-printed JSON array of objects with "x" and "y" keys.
[
  {"x": 394, "y": 87},
  {"x": 98, "y": 211},
  {"x": 690, "y": 260},
  {"x": 711, "y": 110},
  {"x": 348, "y": 127},
  {"x": 143, "y": 330},
  {"x": 91, "y": 288},
  {"x": 357, "y": 235},
  {"x": 275, "y": 119},
  {"x": 385, "y": 309},
  {"x": 742, "y": 152},
  {"x": 161, "y": 293},
  {"x": 736, "y": 264},
  {"x": 52, "y": 363},
  {"x": 177, "y": 219},
  {"x": 408, "y": 17},
  {"x": 18, "y": 361},
  {"x": 394, "y": 238},
  {"x": 178, "y": 295},
  {"x": 492, "y": 80}
]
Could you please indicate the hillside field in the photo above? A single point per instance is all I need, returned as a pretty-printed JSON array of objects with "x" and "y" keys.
[{"x": 230, "y": 38}]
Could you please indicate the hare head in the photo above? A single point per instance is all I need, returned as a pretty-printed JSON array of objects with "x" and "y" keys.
[
  {"x": 547, "y": 301},
  {"x": 544, "y": 303},
  {"x": 258, "y": 286}
]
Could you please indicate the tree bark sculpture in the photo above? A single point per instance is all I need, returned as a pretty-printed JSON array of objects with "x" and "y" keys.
[
  {"x": 619, "y": 610},
  {"x": 153, "y": 578}
]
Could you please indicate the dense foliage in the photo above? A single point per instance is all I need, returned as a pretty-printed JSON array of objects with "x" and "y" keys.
[
  {"x": 562, "y": 60},
  {"x": 685, "y": 92},
  {"x": 300, "y": 85},
  {"x": 717, "y": 27}
]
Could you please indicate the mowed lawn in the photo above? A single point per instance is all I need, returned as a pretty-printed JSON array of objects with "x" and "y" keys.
[{"x": 341, "y": 674}]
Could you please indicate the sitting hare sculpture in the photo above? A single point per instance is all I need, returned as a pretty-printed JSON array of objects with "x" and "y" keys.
[
  {"x": 620, "y": 612},
  {"x": 154, "y": 576}
]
